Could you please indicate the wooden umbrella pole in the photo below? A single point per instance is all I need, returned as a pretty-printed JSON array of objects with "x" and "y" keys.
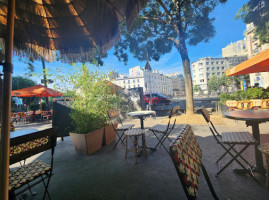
[{"x": 6, "y": 106}]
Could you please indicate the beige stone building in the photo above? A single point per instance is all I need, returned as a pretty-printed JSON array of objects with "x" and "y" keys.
[
  {"x": 254, "y": 47},
  {"x": 237, "y": 48}
]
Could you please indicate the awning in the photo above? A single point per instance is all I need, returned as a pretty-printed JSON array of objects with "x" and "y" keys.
[{"x": 258, "y": 63}]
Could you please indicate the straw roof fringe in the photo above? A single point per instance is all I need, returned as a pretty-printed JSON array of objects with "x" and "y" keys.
[{"x": 78, "y": 29}]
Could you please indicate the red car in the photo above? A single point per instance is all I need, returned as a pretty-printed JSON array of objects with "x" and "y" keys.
[{"x": 156, "y": 98}]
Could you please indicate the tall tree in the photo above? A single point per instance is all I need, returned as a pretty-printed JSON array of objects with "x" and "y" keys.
[
  {"x": 256, "y": 12},
  {"x": 163, "y": 24}
]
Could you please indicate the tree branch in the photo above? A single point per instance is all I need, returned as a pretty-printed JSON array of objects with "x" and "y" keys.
[
  {"x": 156, "y": 19},
  {"x": 174, "y": 40}
]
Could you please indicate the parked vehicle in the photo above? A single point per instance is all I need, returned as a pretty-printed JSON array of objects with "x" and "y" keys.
[{"x": 156, "y": 98}]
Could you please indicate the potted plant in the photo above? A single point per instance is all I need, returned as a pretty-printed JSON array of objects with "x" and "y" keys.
[{"x": 94, "y": 96}]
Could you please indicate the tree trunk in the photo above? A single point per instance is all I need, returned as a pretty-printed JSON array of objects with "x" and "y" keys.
[
  {"x": 45, "y": 82},
  {"x": 182, "y": 49}
]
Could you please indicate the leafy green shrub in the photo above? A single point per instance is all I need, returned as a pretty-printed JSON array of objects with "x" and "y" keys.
[
  {"x": 94, "y": 96},
  {"x": 224, "y": 97},
  {"x": 250, "y": 93}
]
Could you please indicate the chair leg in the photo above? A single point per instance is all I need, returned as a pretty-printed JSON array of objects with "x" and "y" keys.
[
  {"x": 232, "y": 148},
  {"x": 145, "y": 145},
  {"x": 126, "y": 146},
  {"x": 135, "y": 148},
  {"x": 209, "y": 183},
  {"x": 120, "y": 139},
  {"x": 46, "y": 185},
  {"x": 234, "y": 158}
]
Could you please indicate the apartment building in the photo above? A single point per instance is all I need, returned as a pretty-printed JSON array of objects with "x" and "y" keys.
[
  {"x": 238, "y": 48},
  {"x": 205, "y": 68},
  {"x": 254, "y": 47},
  {"x": 178, "y": 83},
  {"x": 150, "y": 80}
]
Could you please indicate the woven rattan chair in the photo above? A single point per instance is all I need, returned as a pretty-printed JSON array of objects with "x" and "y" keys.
[
  {"x": 231, "y": 105},
  {"x": 244, "y": 105},
  {"x": 187, "y": 158},
  {"x": 115, "y": 119},
  {"x": 135, "y": 133},
  {"x": 265, "y": 104},
  {"x": 29, "y": 175},
  {"x": 165, "y": 130},
  {"x": 228, "y": 140}
]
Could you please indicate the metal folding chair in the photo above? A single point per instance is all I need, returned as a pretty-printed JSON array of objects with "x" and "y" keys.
[
  {"x": 187, "y": 158},
  {"x": 115, "y": 119},
  {"x": 165, "y": 130},
  {"x": 231, "y": 139}
]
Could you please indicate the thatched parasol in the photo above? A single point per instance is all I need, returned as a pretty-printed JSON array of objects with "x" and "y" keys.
[
  {"x": 78, "y": 29},
  {"x": 84, "y": 27}
]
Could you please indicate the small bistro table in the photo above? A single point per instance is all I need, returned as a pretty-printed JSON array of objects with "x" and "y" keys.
[
  {"x": 141, "y": 115},
  {"x": 253, "y": 118}
]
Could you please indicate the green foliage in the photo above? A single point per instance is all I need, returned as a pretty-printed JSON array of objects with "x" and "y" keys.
[
  {"x": 156, "y": 31},
  {"x": 250, "y": 93},
  {"x": 196, "y": 88},
  {"x": 94, "y": 97},
  {"x": 20, "y": 82},
  {"x": 214, "y": 83},
  {"x": 256, "y": 12}
]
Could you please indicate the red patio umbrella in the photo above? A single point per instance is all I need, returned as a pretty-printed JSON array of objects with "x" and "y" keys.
[{"x": 38, "y": 91}]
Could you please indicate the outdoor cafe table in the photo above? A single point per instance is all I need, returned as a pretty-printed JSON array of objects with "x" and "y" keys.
[
  {"x": 253, "y": 118},
  {"x": 141, "y": 115}
]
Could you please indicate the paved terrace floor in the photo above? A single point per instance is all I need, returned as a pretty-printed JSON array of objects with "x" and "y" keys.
[{"x": 106, "y": 175}]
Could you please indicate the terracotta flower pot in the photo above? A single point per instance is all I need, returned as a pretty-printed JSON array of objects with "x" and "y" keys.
[
  {"x": 110, "y": 134},
  {"x": 88, "y": 143}
]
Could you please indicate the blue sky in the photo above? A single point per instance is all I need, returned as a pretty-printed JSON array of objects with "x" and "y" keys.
[{"x": 227, "y": 30}]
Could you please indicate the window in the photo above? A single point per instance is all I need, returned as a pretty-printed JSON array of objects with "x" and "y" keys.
[
  {"x": 213, "y": 68},
  {"x": 222, "y": 67},
  {"x": 208, "y": 74},
  {"x": 222, "y": 73},
  {"x": 217, "y": 68},
  {"x": 202, "y": 80},
  {"x": 218, "y": 73},
  {"x": 123, "y": 82},
  {"x": 212, "y": 63},
  {"x": 222, "y": 62},
  {"x": 200, "y": 75},
  {"x": 129, "y": 81},
  {"x": 207, "y": 68},
  {"x": 213, "y": 74},
  {"x": 217, "y": 62},
  {"x": 129, "y": 86},
  {"x": 207, "y": 63},
  {"x": 200, "y": 69},
  {"x": 200, "y": 64},
  {"x": 133, "y": 81},
  {"x": 138, "y": 80}
]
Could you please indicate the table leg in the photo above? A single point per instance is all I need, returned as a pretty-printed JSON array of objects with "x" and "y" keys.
[{"x": 258, "y": 155}]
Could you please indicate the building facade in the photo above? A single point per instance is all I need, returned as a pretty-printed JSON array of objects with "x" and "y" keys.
[
  {"x": 205, "y": 68},
  {"x": 254, "y": 47},
  {"x": 237, "y": 48},
  {"x": 150, "y": 80}
]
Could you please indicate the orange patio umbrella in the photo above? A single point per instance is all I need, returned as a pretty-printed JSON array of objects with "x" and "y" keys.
[
  {"x": 38, "y": 91},
  {"x": 258, "y": 63}
]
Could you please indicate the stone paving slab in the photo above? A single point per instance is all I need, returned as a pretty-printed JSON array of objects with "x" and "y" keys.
[{"x": 106, "y": 175}]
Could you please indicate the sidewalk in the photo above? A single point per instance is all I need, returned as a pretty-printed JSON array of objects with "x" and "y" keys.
[{"x": 106, "y": 175}]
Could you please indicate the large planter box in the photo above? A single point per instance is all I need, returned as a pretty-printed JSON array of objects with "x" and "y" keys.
[
  {"x": 88, "y": 143},
  {"x": 110, "y": 134}
]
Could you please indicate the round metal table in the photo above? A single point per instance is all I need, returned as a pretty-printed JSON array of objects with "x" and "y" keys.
[
  {"x": 253, "y": 118},
  {"x": 141, "y": 115}
]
